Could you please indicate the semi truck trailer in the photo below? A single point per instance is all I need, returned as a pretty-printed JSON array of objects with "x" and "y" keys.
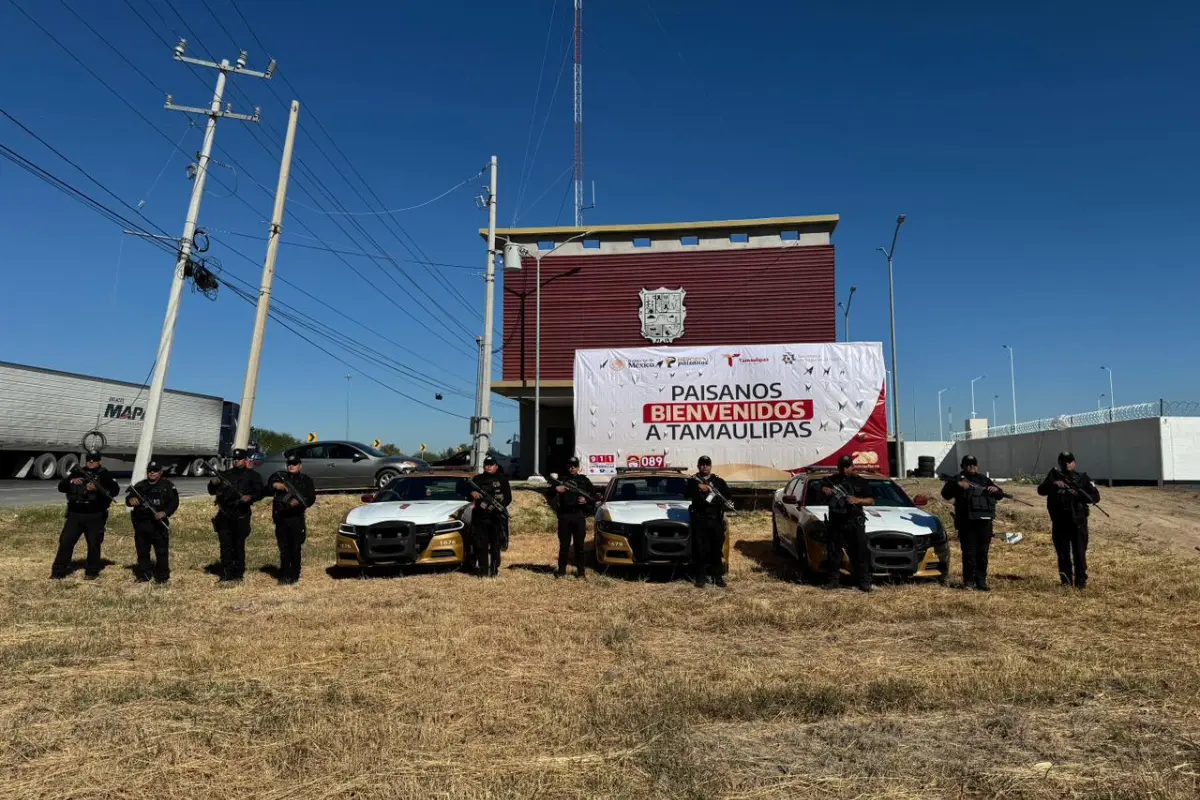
[{"x": 49, "y": 418}]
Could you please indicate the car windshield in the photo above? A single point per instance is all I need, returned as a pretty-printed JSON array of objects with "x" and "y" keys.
[
  {"x": 413, "y": 489},
  {"x": 653, "y": 488},
  {"x": 371, "y": 451},
  {"x": 885, "y": 493}
]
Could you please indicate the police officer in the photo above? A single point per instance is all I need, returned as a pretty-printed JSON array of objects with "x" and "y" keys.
[
  {"x": 1068, "y": 493},
  {"x": 89, "y": 493},
  {"x": 846, "y": 526},
  {"x": 975, "y": 496},
  {"x": 235, "y": 492},
  {"x": 488, "y": 519},
  {"x": 573, "y": 507},
  {"x": 294, "y": 494},
  {"x": 707, "y": 513},
  {"x": 153, "y": 501}
]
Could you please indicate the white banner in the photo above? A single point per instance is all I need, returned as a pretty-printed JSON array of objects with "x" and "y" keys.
[{"x": 761, "y": 412}]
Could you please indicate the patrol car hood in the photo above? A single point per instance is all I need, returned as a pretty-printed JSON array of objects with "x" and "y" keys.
[
  {"x": 419, "y": 512},
  {"x": 637, "y": 512},
  {"x": 913, "y": 521}
]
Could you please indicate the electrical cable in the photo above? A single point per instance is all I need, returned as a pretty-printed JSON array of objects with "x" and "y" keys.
[{"x": 533, "y": 113}]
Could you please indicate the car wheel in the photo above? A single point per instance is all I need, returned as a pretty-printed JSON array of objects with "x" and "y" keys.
[
  {"x": 775, "y": 543},
  {"x": 67, "y": 463},
  {"x": 45, "y": 467},
  {"x": 385, "y": 477}
]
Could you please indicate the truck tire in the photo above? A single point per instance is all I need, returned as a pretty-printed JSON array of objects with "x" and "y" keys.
[
  {"x": 198, "y": 467},
  {"x": 67, "y": 463},
  {"x": 45, "y": 467}
]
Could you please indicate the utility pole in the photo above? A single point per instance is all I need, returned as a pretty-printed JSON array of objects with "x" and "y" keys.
[
  {"x": 246, "y": 413},
  {"x": 213, "y": 112},
  {"x": 941, "y": 435},
  {"x": 1012, "y": 372},
  {"x": 348, "y": 378},
  {"x": 483, "y": 441},
  {"x": 846, "y": 309},
  {"x": 978, "y": 378},
  {"x": 890, "y": 253}
]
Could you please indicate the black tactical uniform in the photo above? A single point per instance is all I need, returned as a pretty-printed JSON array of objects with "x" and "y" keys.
[
  {"x": 148, "y": 498},
  {"x": 87, "y": 514},
  {"x": 974, "y": 512},
  {"x": 1068, "y": 507},
  {"x": 235, "y": 496},
  {"x": 574, "y": 506},
  {"x": 287, "y": 509},
  {"x": 707, "y": 526},
  {"x": 488, "y": 521},
  {"x": 846, "y": 528}
]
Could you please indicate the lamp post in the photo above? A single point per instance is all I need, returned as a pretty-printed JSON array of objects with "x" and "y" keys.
[
  {"x": 1111, "y": 396},
  {"x": 890, "y": 253},
  {"x": 846, "y": 309},
  {"x": 941, "y": 436},
  {"x": 1100, "y": 401},
  {"x": 537, "y": 357},
  {"x": 1012, "y": 371},
  {"x": 977, "y": 378},
  {"x": 995, "y": 397}
]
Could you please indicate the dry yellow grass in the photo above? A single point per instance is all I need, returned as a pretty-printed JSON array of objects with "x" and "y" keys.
[{"x": 440, "y": 684}]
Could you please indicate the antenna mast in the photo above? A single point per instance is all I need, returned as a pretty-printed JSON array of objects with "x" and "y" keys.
[{"x": 578, "y": 113}]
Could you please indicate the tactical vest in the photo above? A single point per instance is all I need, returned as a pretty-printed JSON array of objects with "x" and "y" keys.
[{"x": 981, "y": 504}]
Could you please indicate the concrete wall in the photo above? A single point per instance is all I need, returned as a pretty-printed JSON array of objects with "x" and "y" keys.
[
  {"x": 1180, "y": 449},
  {"x": 1124, "y": 451},
  {"x": 939, "y": 450}
]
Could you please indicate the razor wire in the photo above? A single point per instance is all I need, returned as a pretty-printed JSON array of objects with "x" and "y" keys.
[{"x": 1104, "y": 416}]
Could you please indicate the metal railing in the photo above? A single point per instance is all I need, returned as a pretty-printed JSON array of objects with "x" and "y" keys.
[{"x": 1104, "y": 416}]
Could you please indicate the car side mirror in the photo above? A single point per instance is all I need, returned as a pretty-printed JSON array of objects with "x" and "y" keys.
[
  {"x": 368, "y": 498},
  {"x": 358, "y": 457},
  {"x": 920, "y": 501},
  {"x": 789, "y": 500}
]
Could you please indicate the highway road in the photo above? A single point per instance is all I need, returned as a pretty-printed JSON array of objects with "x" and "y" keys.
[{"x": 16, "y": 494}]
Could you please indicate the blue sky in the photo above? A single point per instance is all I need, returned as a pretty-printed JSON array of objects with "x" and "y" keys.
[{"x": 1045, "y": 155}]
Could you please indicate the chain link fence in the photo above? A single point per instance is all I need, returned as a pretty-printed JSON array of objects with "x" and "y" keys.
[{"x": 1157, "y": 408}]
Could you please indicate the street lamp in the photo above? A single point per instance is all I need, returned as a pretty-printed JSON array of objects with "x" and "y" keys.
[
  {"x": 1012, "y": 371},
  {"x": 1100, "y": 401},
  {"x": 995, "y": 397},
  {"x": 977, "y": 378},
  {"x": 890, "y": 254},
  {"x": 941, "y": 436},
  {"x": 846, "y": 308},
  {"x": 538, "y": 255},
  {"x": 1111, "y": 396}
]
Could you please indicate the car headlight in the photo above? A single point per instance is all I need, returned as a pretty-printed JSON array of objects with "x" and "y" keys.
[
  {"x": 448, "y": 527},
  {"x": 347, "y": 530},
  {"x": 921, "y": 542}
]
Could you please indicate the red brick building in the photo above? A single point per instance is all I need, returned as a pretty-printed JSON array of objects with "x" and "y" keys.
[{"x": 755, "y": 281}]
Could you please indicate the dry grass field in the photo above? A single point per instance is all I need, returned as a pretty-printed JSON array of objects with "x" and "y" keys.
[{"x": 443, "y": 685}]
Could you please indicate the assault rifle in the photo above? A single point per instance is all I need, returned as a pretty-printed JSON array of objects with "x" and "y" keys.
[
  {"x": 94, "y": 479},
  {"x": 554, "y": 482},
  {"x": 230, "y": 488},
  {"x": 290, "y": 492},
  {"x": 1079, "y": 491},
  {"x": 486, "y": 501},
  {"x": 722, "y": 499},
  {"x": 146, "y": 504},
  {"x": 999, "y": 494}
]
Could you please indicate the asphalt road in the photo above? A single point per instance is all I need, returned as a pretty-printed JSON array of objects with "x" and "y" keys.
[{"x": 15, "y": 494}]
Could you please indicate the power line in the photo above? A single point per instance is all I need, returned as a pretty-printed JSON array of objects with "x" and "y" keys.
[
  {"x": 533, "y": 113},
  {"x": 359, "y": 253}
]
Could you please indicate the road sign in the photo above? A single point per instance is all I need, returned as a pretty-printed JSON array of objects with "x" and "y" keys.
[
  {"x": 423, "y": 448},
  {"x": 377, "y": 443},
  {"x": 312, "y": 437}
]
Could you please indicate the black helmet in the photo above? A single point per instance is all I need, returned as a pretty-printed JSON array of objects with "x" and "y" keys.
[
  {"x": 153, "y": 466},
  {"x": 92, "y": 457},
  {"x": 1066, "y": 457},
  {"x": 573, "y": 461},
  {"x": 704, "y": 461},
  {"x": 845, "y": 462},
  {"x": 293, "y": 459},
  {"x": 489, "y": 462},
  {"x": 969, "y": 461},
  {"x": 239, "y": 454}
]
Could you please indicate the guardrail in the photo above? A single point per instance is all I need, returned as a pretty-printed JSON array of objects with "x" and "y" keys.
[{"x": 1104, "y": 416}]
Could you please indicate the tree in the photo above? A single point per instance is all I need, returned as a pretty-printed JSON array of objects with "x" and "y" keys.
[
  {"x": 270, "y": 441},
  {"x": 391, "y": 449}
]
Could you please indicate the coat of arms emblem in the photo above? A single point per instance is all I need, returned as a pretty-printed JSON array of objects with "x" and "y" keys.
[{"x": 662, "y": 314}]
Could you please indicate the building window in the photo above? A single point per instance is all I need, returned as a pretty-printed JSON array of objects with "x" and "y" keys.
[
  {"x": 739, "y": 238},
  {"x": 641, "y": 241},
  {"x": 591, "y": 244},
  {"x": 549, "y": 245},
  {"x": 789, "y": 236},
  {"x": 689, "y": 241}
]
